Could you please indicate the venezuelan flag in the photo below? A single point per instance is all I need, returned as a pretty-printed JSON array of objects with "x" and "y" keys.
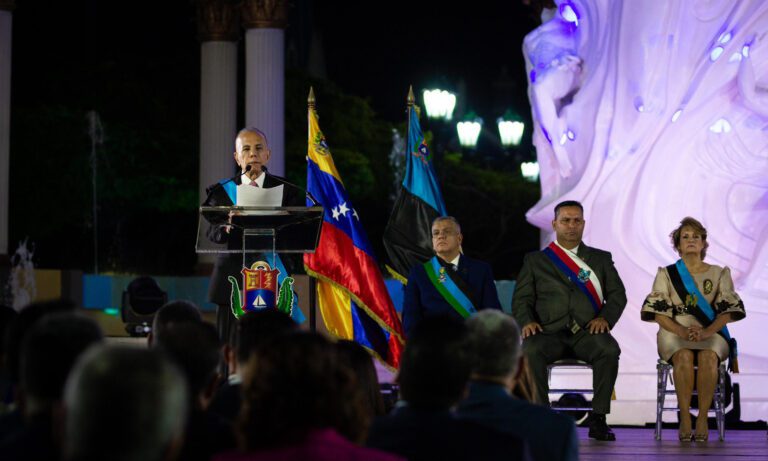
[
  {"x": 408, "y": 235},
  {"x": 352, "y": 297}
]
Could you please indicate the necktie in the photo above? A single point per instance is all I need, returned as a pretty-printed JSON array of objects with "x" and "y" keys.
[{"x": 254, "y": 184}]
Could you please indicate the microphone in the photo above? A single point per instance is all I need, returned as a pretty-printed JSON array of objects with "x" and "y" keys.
[
  {"x": 232, "y": 179},
  {"x": 309, "y": 195},
  {"x": 247, "y": 169},
  {"x": 222, "y": 184}
]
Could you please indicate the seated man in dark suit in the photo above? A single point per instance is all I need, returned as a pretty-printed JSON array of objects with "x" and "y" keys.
[
  {"x": 568, "y": 298},
  {"x": 497, "y": 363},
  {"x": 449, "y": 283},
  {"x": 433, "y": 375}
]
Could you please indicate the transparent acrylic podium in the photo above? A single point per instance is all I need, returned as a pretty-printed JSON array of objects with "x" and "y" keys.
[
  {"x": 250, "y": 229},
  {"x": 244, "y": 230}
]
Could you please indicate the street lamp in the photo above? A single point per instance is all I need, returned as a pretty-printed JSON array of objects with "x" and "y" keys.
[
  {"x": 510, "y": 131},
  {"x": 469, "y": 131},
  {"x": 530, "y": 170},
  {"x": 439, "y": 104}
]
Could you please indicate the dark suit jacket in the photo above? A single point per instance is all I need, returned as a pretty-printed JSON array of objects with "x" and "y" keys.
[
  {"x": 206, "y": 435},
  {"x": 34, "y": 441},
  {"x": 550, "y": 435},
  {"x": 420, "y": 434},
  {"x": 219, "y": 290},
  {"x": 227, "y": 401},
  {"x": 544, "y": 294},
  {"x": 423, "y": 300}
]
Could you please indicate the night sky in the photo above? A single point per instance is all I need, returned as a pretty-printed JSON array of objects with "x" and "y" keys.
[{"x": 373, "y": 50}]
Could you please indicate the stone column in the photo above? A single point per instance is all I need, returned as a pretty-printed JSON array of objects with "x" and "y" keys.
[
  {"x": 6, "y": 20},
  {"x": 218, "y": 31},
  {"x": 264, "y": 21}
]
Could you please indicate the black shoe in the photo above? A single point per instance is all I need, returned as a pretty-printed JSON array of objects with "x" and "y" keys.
[{"x": 599, "y": 430}]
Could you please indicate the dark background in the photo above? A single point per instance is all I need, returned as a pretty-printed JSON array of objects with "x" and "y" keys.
[{"x": 137, "y": 64}]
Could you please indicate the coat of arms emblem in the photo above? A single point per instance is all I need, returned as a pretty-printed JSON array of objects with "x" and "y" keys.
[{"x": 260, "y": 290}]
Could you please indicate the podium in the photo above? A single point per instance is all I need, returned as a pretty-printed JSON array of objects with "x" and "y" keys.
[{"x": 244, "y": 230}]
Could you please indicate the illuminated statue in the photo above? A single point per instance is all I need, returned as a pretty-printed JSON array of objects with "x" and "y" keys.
[{"x": 647, "y": 112}]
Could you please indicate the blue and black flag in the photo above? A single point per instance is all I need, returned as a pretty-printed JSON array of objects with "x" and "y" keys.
[{"x": 408, "y": 235}]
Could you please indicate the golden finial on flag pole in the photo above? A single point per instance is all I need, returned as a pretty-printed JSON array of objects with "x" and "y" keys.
[
  {"x": 311, "y": 98},
  {"x": 411, "y": 98}
]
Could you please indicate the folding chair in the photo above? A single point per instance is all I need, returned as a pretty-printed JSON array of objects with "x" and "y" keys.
[
  {"x": 569, "y": 364},
  {"x": 664, "y": 377}
]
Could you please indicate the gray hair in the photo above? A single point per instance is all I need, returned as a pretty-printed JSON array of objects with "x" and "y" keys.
[
  {"x": 450, "y": 219},
  {"x": 123, "y": 403},
  {"x": 252, "y": 129},
  {"x": 495, "y": 342}
]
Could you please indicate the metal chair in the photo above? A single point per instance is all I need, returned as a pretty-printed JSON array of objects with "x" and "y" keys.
[
  {"x": 664, "y": 376},
  {"x": 569, "y": 364}
]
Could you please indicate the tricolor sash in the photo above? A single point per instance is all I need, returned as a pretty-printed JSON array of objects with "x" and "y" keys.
[
  {"x": 448, "y": 288},
  {"x": 575, "y": 274},
  {"x": 686, "y": 289}
]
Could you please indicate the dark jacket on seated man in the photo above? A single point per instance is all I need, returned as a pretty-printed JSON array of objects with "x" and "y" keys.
[
  {"x": 497, "y": 370},
  {"x": 429, "y": 434},
  {"x": 423, "y": 300},
  {"x": 550, "y": 435},
  {"x": 434, "y": 369}
]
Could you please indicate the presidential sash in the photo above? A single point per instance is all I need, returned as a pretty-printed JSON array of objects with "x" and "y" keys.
[
  {"x": 577, "y": 275},
  {"x": 444, "y": 283},
  {"x": 697, "y": 304}
]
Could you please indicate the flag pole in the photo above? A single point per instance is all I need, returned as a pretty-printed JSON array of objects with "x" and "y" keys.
[
  {"x": 411, "y": 101},
  {"x": 312, "y": 281}
]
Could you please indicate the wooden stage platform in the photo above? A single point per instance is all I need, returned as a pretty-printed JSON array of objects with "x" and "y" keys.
[{"x": 634, "y": 444}]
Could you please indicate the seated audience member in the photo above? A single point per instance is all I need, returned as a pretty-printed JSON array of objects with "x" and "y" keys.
[
  {"x": 251, "y": 330},
  {"x": 124, "y": 404},
  {"x": 433, "y": 375},
  {"x": 14, "y": 337},
  {"x": 195, "y": 349},
  {"x": 497, "y": 363},
  {"x": 13, "y": 420},
  {"x": 301, "y": 403},
  {"x": 48, "y": 353},
  {"x": 354, "y": 356},
  {"x": 173, "y": 313}
]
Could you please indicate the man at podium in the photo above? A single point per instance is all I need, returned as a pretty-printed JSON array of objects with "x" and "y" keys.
[{"x": 253, "y": 185}]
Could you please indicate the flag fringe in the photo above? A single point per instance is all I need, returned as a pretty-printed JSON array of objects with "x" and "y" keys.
[
  {"x": 357, "y": 301},
  {"x": 396, "y": 275}
]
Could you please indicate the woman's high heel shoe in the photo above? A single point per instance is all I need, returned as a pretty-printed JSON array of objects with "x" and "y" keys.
[
  {"x": 701, "y": 437},
  {"x": 685, "y": 436}
]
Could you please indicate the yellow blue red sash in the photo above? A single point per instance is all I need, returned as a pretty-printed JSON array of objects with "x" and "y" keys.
[{"x": 575, "y": 274}]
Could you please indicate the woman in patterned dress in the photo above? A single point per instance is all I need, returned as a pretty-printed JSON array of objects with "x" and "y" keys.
[{"x": 685, "y": 337}]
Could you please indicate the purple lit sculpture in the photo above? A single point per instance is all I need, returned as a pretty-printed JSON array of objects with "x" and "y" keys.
[{"x": 646, "y": 112}]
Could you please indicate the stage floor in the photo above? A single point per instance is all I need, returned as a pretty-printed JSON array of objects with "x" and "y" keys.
[{"x": 633, "y": 444}]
